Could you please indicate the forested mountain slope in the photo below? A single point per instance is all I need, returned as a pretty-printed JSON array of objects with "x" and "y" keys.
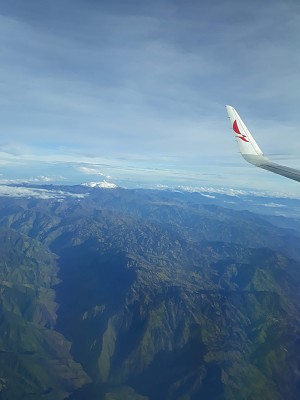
[{"x": 137, "y": 294}]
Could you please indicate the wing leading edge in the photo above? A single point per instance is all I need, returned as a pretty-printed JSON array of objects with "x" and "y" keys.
[{"x": 251, "y": 151}]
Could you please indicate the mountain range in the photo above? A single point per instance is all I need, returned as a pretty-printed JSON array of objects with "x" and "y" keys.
[{"x": 146, "y": 295}]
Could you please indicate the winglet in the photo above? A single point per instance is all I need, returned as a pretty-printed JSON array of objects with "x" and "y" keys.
[
  {"x": 252, "y": 153},
  {"x": 246, "y": 143}
]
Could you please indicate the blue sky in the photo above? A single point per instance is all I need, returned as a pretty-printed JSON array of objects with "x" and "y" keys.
[{"x": 134, "y": 91}]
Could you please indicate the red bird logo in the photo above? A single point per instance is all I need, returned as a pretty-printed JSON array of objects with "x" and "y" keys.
[{"x": 239, "y": 134}]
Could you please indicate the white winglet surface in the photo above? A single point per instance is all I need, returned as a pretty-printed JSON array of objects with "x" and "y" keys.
[
  {"x": 246, "y": 143},
  {"x": 251, "y": 151}
]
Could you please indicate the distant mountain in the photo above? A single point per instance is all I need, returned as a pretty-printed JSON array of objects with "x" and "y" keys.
[{"x": 139, "y": 294}]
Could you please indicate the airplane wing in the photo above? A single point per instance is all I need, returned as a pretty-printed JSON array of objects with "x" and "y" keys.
[{"x": 251, "y": 151}]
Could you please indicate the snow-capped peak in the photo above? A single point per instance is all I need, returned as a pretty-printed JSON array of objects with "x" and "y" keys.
[{"x": 103, "y": 184}]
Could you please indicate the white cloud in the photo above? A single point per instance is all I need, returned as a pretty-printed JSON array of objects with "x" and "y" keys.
[
  {"x": 209, "y": 196},
  {"x": 240, "y": 193},
  {"x": 15, "y": 191},
  {"x": 272, "y": 205},
  {"x": 37, "y": 179},
  {"x": 90, "y": 170}
]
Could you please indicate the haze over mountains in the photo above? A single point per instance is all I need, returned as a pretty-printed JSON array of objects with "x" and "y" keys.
[{"x": 147, "y": 294}]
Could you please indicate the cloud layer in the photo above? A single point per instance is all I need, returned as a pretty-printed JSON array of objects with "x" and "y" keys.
[{"x": 143, "y": 85}]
